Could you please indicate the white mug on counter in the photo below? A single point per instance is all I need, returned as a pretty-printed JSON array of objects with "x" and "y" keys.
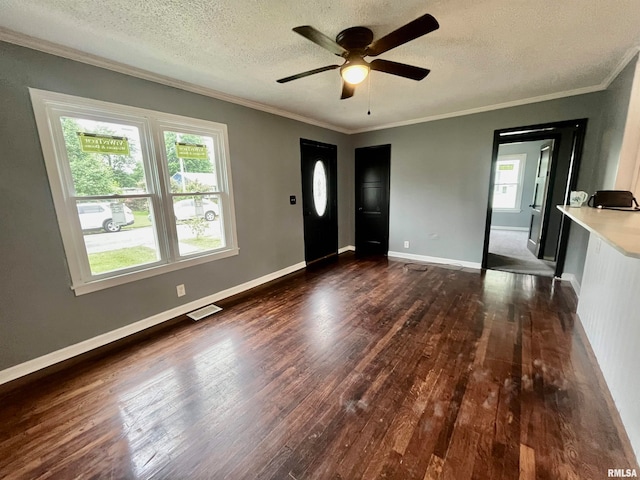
[{"x": 576, "y": 199}]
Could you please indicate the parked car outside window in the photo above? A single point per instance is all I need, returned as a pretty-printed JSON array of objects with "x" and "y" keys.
[
  {"x": 186, "y": 209},
  {"x": 94, "y": 216}
]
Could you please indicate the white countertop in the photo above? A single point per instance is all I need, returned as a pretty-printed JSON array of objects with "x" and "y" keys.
[{"x": 619, "y": 229}]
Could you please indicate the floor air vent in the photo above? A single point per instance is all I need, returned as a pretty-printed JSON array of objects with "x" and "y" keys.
[{"x": 204, "y": 312}]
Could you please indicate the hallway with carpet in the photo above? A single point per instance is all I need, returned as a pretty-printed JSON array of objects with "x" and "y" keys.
[{"x": 508, "y": 253}]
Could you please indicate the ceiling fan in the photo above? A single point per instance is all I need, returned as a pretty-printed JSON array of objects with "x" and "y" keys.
[{"x": 355, "y": 43}]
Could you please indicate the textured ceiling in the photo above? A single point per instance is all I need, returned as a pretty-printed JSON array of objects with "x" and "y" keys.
[{"x": 485, "y": 53}]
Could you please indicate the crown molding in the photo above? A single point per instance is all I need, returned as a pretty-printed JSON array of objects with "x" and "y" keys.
[
  {"x": 45, "y": 46},
  {"x": 51, "y": 48},
  {"x": 488, "y": 108},
  {"x": 628, "y": 56}
]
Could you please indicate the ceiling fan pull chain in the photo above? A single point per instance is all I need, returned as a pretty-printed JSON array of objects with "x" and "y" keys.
[{"x": 369, "y": 109}]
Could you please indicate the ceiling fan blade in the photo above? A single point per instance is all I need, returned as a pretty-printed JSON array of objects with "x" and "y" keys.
[
  {"x": 321, "y": 39},
  {"x": 306, "y": 74},
  {"x": 400, "y": 69},
  {"x": 412, "y": 30},
  {"x": 347, "y": 90}
]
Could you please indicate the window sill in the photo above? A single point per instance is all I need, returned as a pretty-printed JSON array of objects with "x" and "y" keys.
[{"x": 96, "y": 285}]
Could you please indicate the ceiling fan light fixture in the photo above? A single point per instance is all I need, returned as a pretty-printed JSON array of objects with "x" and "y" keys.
[{"x": 354, "y": 72}]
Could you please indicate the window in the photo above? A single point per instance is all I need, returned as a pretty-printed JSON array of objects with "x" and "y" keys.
[
  {"x": 319, "y": 187},
  {"x": 509, "y": 176},
  {"x": 137, "y": 192}
]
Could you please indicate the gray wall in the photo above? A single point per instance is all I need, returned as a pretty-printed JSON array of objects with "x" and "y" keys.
[
  {"x": 520, "y": 219},
  {"x": 440, "y": 176},
  {"x": 601, "y": 173},
  {"x": 615, "y": 107},
  {"x": 39, "y": 313}
]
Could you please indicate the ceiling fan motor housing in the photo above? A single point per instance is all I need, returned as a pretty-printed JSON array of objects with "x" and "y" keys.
[{"x": 355, "y": 38}]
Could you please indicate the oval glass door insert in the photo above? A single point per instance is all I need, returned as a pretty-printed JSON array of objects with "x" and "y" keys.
[{"x": 320, "y": 188}]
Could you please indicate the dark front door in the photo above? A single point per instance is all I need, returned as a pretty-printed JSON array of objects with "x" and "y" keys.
[
  {"x": 372, "y": 199},
  {"x": 319, "y": 200},
  {"x": 538, "y": 205}
]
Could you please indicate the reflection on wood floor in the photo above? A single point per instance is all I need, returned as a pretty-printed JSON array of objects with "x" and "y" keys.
[{"x": 360, "y": 369}]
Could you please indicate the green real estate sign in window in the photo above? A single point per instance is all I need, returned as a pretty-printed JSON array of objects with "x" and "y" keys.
[
  {"x": 96, "y": 143},
  {"x": 191, "y": 150}
]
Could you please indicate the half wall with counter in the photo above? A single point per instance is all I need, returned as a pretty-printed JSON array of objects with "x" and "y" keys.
[{"x": 609, "y": 305}]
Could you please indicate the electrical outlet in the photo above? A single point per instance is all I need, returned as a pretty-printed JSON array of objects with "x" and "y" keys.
[
  {"x": 181, "y": 290},
  {"x": 406, "y": 244}
]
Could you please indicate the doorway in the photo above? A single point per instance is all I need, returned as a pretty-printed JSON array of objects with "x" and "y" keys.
[
  {"x": 319, "y": 200},
  {"x": 522, "y": 174},
  {"x": 530, "y": 235},
  {"x": 372, "y": 177}
]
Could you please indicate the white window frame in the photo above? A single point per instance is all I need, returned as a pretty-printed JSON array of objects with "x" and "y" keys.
[
  {"x": 522, "y": 158},
  {"x": 50, "y": 106}
]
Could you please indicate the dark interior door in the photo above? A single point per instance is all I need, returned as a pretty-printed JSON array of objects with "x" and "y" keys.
[
  {"x": 372, "y": 199},
  {"x": 535, "y": 242},
  {"x": 319, "y": 200}
]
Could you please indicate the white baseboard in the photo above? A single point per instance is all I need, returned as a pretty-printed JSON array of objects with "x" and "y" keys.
[
  {"x": 513, "y": 229},
  {"x": 348, "y": 248},
  {"x": 71, "y": 351},
  {"x": 445, "y": 261},
  {"x": 571, "y": 278}
]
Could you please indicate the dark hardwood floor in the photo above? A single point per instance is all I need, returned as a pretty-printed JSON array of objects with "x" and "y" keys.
[{"x": 366, "y": 368}]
